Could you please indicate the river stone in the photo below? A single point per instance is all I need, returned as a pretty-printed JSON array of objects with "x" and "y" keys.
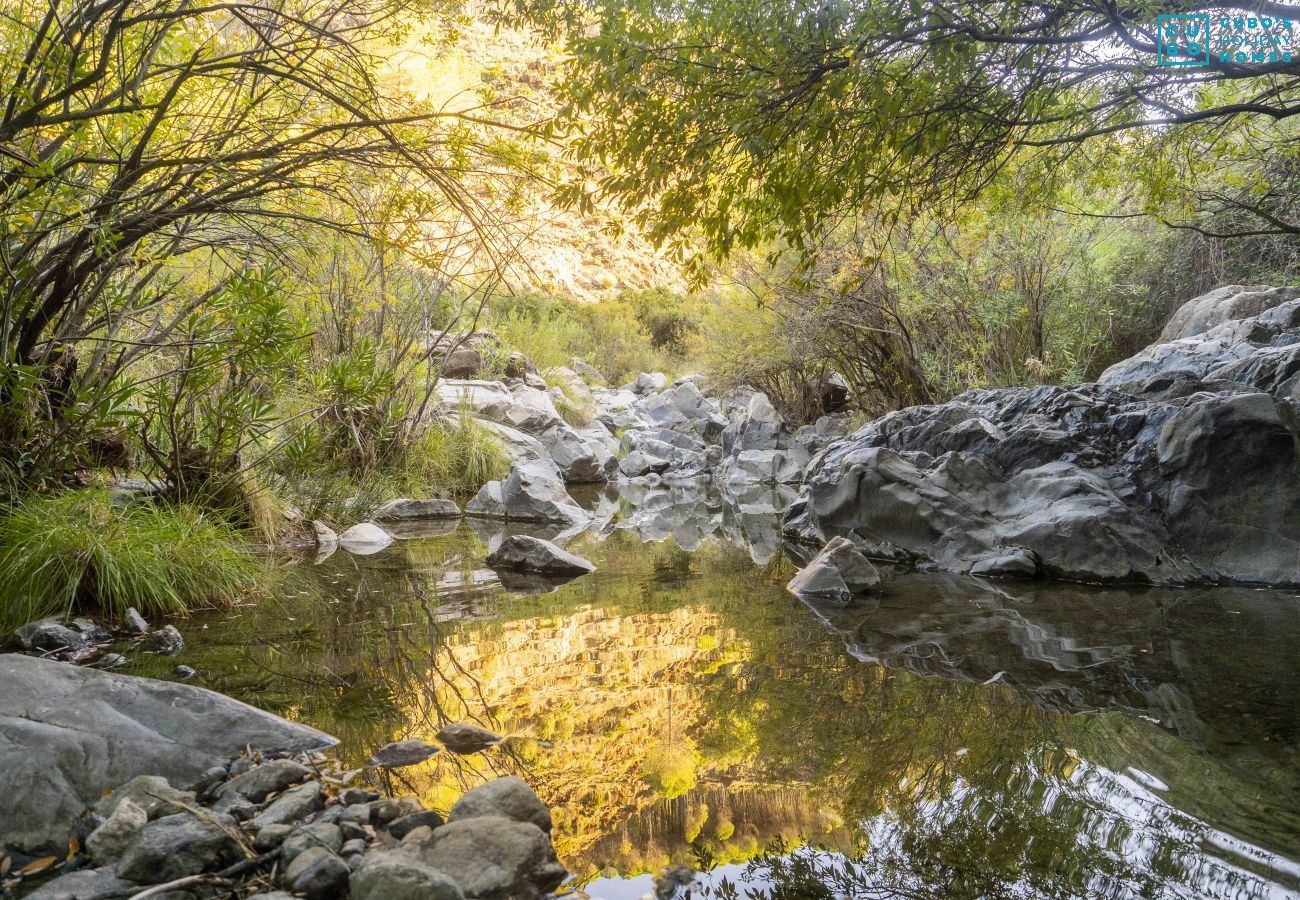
[
  {"x": 405, "y": 510},
  {"x": 399, "y": 754},
  {"x": 83, "y": 885},
  {"x": 364, "y": 539},
  {"x": 133, "y": 622},
  {"x": 533, "y": 492},
  {"x": 271, "y": 836},
  {"x": 492, "y": 858},
  {"x": 151, "y": 793},
  {"x": 70, "y": 734},
  {"x": 400, "y": 828},
  {"x": 176, "y": 846},
  {"x": 48, "y": 635},
  {"x": 462, "y": 737},
  {"x": 399, "y": 875},
  {"x": 107, "y": 842},
  {"x": 530, "y": 554},
  {"x": 291, "y": 806},
  {"x": 325, "y": 536},
  {"x": 317, "y": 874},
  {"x": 270, "y": 777},
  {"x": 317, "y": 834},
  {"x": 166, "y": 641},
  {"x": 839, "y": 573},
  {"x": 509, "y": 797}
]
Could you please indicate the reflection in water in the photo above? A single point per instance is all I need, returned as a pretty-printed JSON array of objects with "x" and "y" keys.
[{"x": 953, "y": 738}]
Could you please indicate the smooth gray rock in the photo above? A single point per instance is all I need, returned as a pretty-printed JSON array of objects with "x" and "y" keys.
[
  {"x": 839, "y": 573},
  {"x": 152, "y": 793},
  {"x": 318, "y": 874},
  {"x": 509, "y": 797},
  {"x": 583, "y": 455},
  {"x": 176, "y": 846},
  {"x": 400, "y": 828},
  {"x": 291, "y": 806},
  {"x": 1223, "y": 304},
  {"x": 317, "y": 834},
  {"x": 1015, "y": 563},
  {"x": 107, "y": 842},
  {"x": 270, "y": 777},
  {"x": 325, "y": 536},
  {"x": 271, "y": 836},
  {"x": 533, "y": 492},
  {"x": 462, "y": 737},
  {"x": 166, "y": 641},
  {"x": 48, "y": 635},
  {"x": 83, "y": 885},
  {"x": 399, "y": 875},
  {"x": 399, "y": 754},
  {"x": 530, "y": 554},
  {"x": 405, "y": 510},
  {"x": 492, "y": 858},
  {"x": 71, "y": 733},
  {"x": 364, "y": 538},
  {"x": 133, "y": 622}
]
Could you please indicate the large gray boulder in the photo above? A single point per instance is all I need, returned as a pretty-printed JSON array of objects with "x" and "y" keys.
[
  {"x": 69, "y": 734},
  {"x": 583, "y": 455},
  {"x": 530, "y": 554},
  {"x": 399, "y": 875},
  {"x": 533, "y": 492},
  {"x": 838, "y": 573},
  {"x": 1181, "y": 466},
  {"x": 492, "y": 858},
  {"x": 509, "y": 797},
  {"x": 176, "y": 846},
  {"x": 1223, "y": 304}
]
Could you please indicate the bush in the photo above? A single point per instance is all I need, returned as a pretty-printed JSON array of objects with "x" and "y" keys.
[
  {"x": 80, "y": 550},
  {"x": 459, "y": 457}
]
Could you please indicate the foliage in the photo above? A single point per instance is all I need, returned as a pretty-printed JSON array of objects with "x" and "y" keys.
[
  {"x": 459, "y": 457},
  {"x": 84, "y": 550}
]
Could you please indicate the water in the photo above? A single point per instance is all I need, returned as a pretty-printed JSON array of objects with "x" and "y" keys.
[{"x": 955, "y": 738}]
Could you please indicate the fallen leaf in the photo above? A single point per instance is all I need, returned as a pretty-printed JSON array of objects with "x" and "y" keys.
[{"x": 38, "y": 865}]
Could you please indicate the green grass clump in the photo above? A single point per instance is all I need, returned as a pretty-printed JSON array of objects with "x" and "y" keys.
[
  {"x": 80, "y": 551},
  {"x": 460, "y": 457}
]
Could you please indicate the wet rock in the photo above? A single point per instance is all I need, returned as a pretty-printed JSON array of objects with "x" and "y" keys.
[
  {"x": 398, "y": 875},
  {"x": 533, "y": 492},
  {"x": 107, "y": 842},
  {"x": 92, "y": 631},
  {"x": 364, "y": 539},
  {"x": 84, "y": 884},
  {"x": 405, "y": 510},
  {"x": 462, "y": 737},
  {"x": 183, "y": 672},
  {"x": 294, "y": 804},
  {"x": 110, "y": 661},
  {"x": 259, "y": 782},
  {"x": 1015, "y": 563},
  {"x": 492, "y": 858},
  {"x": 166, "y": 641},
  {"x": 838, "y": 573},
  {"x": 318, "y": 874},
  {"x": 318, "y": 834},
  {"x": 48, "y": 636},
  {"x": 509, "y": 798},
  {"x": 403, "y": 753},
  {"x": 152, "y": 793},
  {"x": 530, "y": 554},
  {"x": 400, "y": 828},
  {"x": 134, "y": 623},
  {"x": 176, "y": 846},
  {"x": 325, "y": 536}
]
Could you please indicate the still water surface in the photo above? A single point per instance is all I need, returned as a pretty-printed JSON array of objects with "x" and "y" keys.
[{"x": 953, "y": 738}]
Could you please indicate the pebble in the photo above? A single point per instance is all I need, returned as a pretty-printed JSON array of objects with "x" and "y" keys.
[
  {"x": 318, "y": 874},
  {"x": 183, "y": 672}
]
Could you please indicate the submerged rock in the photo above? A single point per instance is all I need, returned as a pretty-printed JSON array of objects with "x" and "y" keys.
[
  {"x": 403, "y": 753},
  {"x": 839, "y": 573},
  {"x": 166, "y": 641},
  {"x": 463, "y": 738},
  {"x": 530, "y": 554},
  {"x": 364, "y": 539}
]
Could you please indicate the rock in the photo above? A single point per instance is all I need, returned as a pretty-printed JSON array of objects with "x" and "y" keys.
[
  {"x": 48, "y": 635},
  {"x": 364, "y": 539},
  {"x": 765, "y": 466},
  {"x": 83, "y": 885},
  {"x": 134, "y": 623},
  {"x": 176, "y": 846},
  {"x": 462, "y": 362},
  {"x": 166, "y": 641},
  {"x": 399, "y": 754},
  {"x": 839, "y": 573},
  {"x": 183, "y": 672},
  {"x": 530, "y": 554},
  {"x": 354, "y": 847},
  {"x": 271, "y": 836},
  {"x": 1223, "y": 304},
  {"x": 325, "y": 536},
  {"x": 318, "y": 874},
  {"x": 212, "y": 777},
  {"x": 398, "y": 875},
  {"x": 507, "y": 797},
  {"x": 586, "y": 370},
  {"x": 107, "y": 842},
  {"x": 1181, "y": 466},
  {"x": 583, "y": 456},
  {"x": 462, "y": 737},
  {"x": 533, "y": 492},
  {"x": 318, "y": 834},
  {"x": 151, "y": 793},
  {"x": 260, "y": 782},
  {"x": 518, "y": 365},
  {"x": 405, "y": 510},
  {"x": 401, "y": 827},
  {"x": 390, "y": 808},
  {"x": 492, "y": 858},
  {"x": 487, "y": 399},
  {"x": 640, "y": 463},
  {"x": 291, "y": 806},
  {"x": 648, "y": 382},
  {"x": 92, "y": 631},
  {"x": 110, "y": 661},
  {"x": 761, "y": 427}
]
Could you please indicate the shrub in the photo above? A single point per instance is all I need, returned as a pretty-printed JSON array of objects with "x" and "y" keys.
[
  {"x": 460, "y": 456},
  {"x": 80, "y": 550}
]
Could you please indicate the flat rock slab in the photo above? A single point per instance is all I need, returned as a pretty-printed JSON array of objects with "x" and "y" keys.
[
  {"x": 406, "y": 510},
  {"x": 68, "y": 734}
]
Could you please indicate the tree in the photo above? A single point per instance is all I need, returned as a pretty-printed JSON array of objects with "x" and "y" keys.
[{"x": 746, "y": 119}]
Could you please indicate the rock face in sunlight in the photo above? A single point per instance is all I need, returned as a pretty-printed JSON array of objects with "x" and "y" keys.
[
  {"x": 1181, "y": 465},
  {"x": 71, "y": 733}
]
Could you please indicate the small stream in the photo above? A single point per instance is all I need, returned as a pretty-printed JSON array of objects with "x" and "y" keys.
[{"x": 954, "y": 737}]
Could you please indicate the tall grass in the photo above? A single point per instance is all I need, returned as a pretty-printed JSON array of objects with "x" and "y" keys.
[
  {"x": 80, "y": 551},
  {"x": 459, "y": 457}
]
